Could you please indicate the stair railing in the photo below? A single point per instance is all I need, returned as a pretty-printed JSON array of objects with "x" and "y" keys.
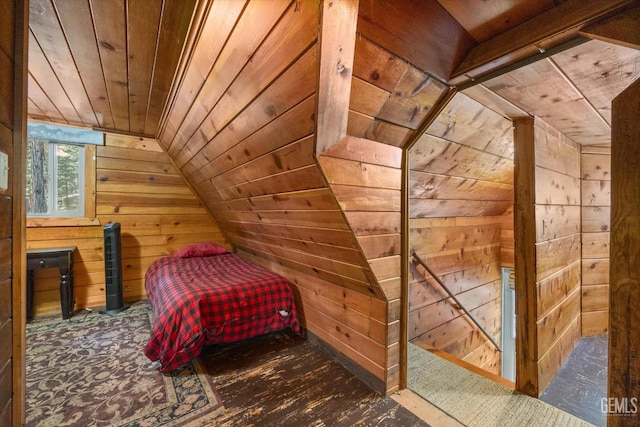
[{"x": 443, "y": 286}]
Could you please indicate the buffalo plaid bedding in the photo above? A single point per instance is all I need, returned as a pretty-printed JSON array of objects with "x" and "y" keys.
[{"x": 215, "y": 299}]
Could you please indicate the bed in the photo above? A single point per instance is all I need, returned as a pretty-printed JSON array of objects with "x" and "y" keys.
[{"x": 204, "y": 295}]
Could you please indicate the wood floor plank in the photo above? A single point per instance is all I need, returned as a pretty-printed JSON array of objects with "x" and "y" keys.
[
  {"x": 581, "y": 383},
  {"x": 283, "y": 379}
]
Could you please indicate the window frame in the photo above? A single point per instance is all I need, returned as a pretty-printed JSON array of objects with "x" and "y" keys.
[{"x": 88, "y": 217}]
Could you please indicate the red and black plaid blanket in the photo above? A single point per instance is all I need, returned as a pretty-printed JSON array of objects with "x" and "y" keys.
[{"x": 218, "y": 299}]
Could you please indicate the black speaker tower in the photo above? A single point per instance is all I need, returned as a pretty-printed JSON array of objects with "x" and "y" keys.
[{"x": 113, "y": 270}]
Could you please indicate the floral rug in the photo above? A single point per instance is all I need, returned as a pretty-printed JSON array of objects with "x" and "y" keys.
[{"x": 91, "y": 371}]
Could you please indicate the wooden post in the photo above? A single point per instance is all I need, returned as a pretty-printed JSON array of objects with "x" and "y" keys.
[
  {"x": 337, "y": 47},
  {"x": 623, "y": 405},
  {"x": 19, "y": 230},
  {"x": 525, "y": 257}
]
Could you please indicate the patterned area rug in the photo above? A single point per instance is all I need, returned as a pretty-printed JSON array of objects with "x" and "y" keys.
[{"x": 91, "y": 371}]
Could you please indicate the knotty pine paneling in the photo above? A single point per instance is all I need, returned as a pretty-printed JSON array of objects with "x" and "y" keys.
[
  {"x": 138, "y": 187},
  {"x": 548, "y": 274},
  {"x": 390, "y": 98},
  {"x": 595, "y": 271},
  {"x": 558, "y": 252},
  {"x": 223, "y": 17},
  {"x": 553, "y": 256},
  {"x": 365, "y": 178},
  {"x": 558, "y": 320},
  {"x": 437, "y": 155},
  {"x": 350, "y": 322},
  {"x": 364, "y": 126},
  {"x": 245, "y": 75},
  {"x": 550, "y": 362},
  {"x": 105, "y": 64},
  {"x": 465, "y": 253},
  {"x": 471, "y": 124},
  {"x": 477, "y": 19},
  {"x": 614, "y": 68},
  {"x": 596, "y": 212},
  {"x": 556, "y": 221},
  {"x": 461, "y": 198},
  {"x": 543, "y": 91},
  {"x": 557, "y": 287},
  {"x": 416, "y": 31},
  {"x": 507, "y": 240}
]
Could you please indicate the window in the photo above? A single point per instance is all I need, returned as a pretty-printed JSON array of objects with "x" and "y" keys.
[
  {"x": 55, "y": 178},
  {"x": 58, "y": 162}
]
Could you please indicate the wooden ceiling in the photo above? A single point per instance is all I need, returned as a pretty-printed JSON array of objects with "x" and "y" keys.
[
  {"x": 572, "y": 90},
  {"x": 111, "y": 64},
  {"x": 519, "y": 57},
  {"x": 104, "y": 64}
]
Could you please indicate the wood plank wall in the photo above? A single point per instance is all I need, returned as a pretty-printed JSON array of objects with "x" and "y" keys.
[
  {"x": 558, "y": 240},
  {"x": 507, "y": 240},
  {"x": 461, "y": 197},
  {"x": 596, "y": 218},
  {"x": 246, "y": 146},
  {"x": 390, "y": 98},
  {"x": 548, "y": 264},
  {"x": 352, "y": 324},
  {"x": 366, "y": 178},
  {"x": 624, "y": 341},
  {"x": 138, "y": 187},
  {"x": 7, "y": 64}
]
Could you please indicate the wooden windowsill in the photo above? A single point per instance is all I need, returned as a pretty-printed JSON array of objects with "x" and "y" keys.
[{"x": 62, "y": 222}]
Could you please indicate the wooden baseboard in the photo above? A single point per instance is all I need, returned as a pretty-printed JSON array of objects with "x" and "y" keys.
[
  {"x": 424, "y": 410},
  {"x": 473, "y": 368}
]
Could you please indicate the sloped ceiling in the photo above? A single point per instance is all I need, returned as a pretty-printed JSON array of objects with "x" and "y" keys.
[
  {"x": 110, "y": 64},
  {"x": 567, "y": 79},
  {"x": 573, "y": 89},
  {"x": 104, "y": 64},
  {"x": 230, "y": 88}
]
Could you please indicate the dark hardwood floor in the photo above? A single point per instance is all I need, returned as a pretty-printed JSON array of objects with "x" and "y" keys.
[
  {"x": 282, "y": 379},
  {"x": 581, "y": 383}
]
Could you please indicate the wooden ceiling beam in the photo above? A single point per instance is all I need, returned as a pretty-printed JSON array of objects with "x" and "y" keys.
[
  {"x": 622, "y": 29},
  {"x": 547, "y": 30}
]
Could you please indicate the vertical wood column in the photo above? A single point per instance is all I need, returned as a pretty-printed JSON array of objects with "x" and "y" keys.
[
  {"x": 337, "y": 50},
  {"x": 18, "y": 291},
  {"x": 624, "y": 287},
  {"x": 525, "y": 257},
  {"x": 547, "y": 252}
]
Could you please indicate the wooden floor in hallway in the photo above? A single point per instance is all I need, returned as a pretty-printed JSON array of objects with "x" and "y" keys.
[{"x": 581, "y": 383}]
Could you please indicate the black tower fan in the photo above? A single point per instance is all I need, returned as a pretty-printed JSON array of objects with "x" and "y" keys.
[{"x": 113, "y": 270}]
